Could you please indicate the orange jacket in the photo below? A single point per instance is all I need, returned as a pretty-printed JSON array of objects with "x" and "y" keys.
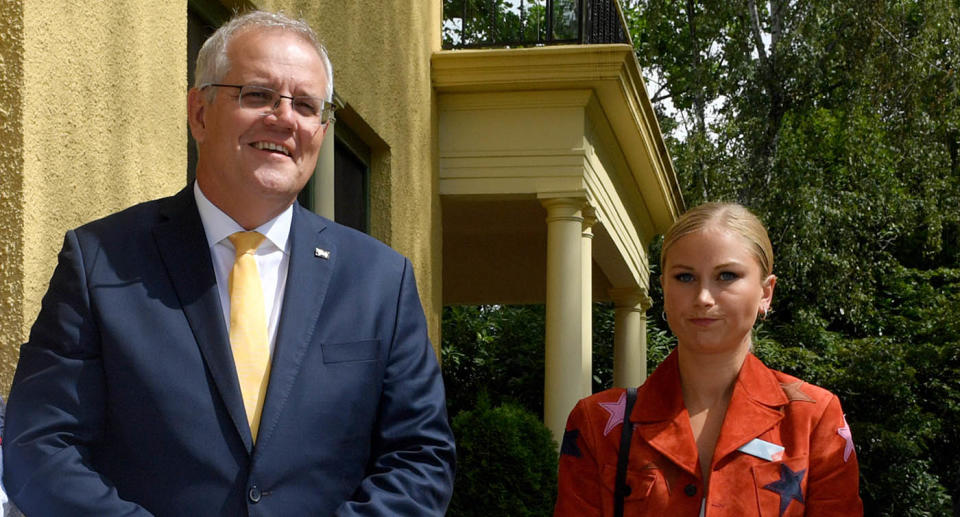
[{"x": 815, "y": 474}]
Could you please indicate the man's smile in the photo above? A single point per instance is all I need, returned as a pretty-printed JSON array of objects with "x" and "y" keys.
[{"x": 270, "y": 146}]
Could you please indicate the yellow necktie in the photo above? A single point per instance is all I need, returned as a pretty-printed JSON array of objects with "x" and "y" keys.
[{"x": 248, "y": 326}]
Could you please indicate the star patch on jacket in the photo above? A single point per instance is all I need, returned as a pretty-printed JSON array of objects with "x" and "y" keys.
[
  {"x": 788, "y": 487},
  {"x": 616, "y": 410},
  {"x": 569, "y": 445},
  {"x": 844, "y": 433},
  {"x": 794, "y": 393}
]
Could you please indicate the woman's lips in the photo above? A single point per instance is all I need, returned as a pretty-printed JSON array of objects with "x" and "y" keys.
[{"x": 703, "y": 322}]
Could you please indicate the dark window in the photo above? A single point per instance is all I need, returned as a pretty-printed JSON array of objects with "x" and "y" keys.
[
  {"x": 203, "y": 18},
  {"x": 351, "y": 175},
  {"x": 350, "y": 187}
]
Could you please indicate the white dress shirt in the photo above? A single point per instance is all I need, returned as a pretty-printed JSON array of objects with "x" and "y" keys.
[{"x": 273, "y": 257}]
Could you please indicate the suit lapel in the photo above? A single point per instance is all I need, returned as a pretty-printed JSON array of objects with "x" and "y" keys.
[
  {"x": 182, "y": 244},
  {"x": 312, "y": 259}
]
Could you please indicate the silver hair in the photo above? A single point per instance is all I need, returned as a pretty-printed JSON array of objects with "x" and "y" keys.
[{"x": 212, "y": 60}]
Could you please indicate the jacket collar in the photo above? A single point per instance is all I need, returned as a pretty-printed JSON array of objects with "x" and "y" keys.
[
  {"x": 663, "y": 422},
  {"x": 755, "y": 407},
  {"x": 662, "y": 419}
]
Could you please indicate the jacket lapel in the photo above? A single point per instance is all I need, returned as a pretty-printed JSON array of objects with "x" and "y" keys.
[
  {"x": 662, "y": 420},
  {"x": 183, "y": 248},
  {"x": 312, "y": 259},
  {"x": 754, "y": 407}
]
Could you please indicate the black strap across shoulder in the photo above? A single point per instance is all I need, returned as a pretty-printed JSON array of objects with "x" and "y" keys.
[{"x": 620, "y": 488}]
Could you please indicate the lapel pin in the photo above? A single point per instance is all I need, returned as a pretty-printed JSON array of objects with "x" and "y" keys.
[{"x": 322, "y": 253}]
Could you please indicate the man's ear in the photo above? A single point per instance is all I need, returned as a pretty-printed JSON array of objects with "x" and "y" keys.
[{"x": 196, "y": 111}]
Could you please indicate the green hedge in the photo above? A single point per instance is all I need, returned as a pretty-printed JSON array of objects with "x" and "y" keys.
[{"x": 506, "y": 463}]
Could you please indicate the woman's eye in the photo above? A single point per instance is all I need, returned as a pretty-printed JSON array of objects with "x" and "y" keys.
[
  {"x": 683, "y": 277},
  {"x": 728, "y": 276}
]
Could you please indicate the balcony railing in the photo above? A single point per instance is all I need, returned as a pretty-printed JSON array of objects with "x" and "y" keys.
[{"x": 527, "y": 23}]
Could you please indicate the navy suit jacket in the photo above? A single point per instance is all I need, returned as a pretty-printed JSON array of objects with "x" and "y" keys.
[{"x": 126, "y": 400}]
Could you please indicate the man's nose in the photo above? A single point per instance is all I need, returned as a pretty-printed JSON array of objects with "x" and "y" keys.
[{"x": 283, "y": 111}]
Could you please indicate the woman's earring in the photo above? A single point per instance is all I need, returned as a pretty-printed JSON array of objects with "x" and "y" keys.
[
  {"x": 765, "y": 312},
  {"x": 663, "y": 314}
]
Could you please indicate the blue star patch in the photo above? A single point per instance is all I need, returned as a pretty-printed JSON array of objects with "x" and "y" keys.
[
  {"x": 569, "y": 445},
  {"x": 788, "y": 486}
]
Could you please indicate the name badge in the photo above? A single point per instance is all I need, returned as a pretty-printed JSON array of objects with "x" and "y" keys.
[{"x": 763, "y": 450}]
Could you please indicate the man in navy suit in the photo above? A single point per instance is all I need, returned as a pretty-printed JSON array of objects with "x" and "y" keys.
[{"x": 131, "y": 397}]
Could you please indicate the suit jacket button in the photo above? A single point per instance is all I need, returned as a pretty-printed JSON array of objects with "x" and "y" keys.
[
  {"x": 690, "y": 490},
  {"x": 254, "y": 494}
]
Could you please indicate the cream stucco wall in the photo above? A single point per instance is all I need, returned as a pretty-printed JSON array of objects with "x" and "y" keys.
[
  {"x": 381, "y": 56},
  {"x": 11, "y": 186},
  {"x": 99, "y": 123}
]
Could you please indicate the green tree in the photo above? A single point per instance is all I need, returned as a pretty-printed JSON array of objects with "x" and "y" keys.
[{"x": 495, "y": 22}]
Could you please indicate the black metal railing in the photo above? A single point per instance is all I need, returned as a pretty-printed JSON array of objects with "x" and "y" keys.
[{"x": 526, "y": 23}]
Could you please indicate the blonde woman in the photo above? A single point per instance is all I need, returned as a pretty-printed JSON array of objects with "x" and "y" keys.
[{"x": 712, "y": 432}]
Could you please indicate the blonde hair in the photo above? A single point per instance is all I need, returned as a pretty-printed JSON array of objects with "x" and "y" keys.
[{"x": 728, "y": 216}]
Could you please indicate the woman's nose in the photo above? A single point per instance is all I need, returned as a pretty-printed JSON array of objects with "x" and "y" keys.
[{"x": 705, "y": 296}]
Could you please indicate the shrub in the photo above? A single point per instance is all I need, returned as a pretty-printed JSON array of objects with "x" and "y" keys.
[{"x": 506, "y": 463}]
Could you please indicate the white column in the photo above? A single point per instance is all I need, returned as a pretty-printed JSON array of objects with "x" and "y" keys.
[
  {"x": 586, "y": 277},
  {"x": 323, "y": 193},
  {"x": 563, "y": 382},
  {"x": 630, "y": 336}
]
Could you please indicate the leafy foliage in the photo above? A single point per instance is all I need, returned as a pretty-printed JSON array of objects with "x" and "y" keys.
[
  {"x": 495, "y": 22},
  {"x": 495, "y": 350},
  {"x": 506, "y": 463}
]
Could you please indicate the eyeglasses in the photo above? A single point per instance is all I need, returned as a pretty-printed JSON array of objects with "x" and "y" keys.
[{"x": 266, "y": 100}]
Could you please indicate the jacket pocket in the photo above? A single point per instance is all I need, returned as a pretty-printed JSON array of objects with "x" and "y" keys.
[
  {"x": 366, "y": 350},
  {"x": 781, "y": 485},
  {"x": 639, "y": 500}
]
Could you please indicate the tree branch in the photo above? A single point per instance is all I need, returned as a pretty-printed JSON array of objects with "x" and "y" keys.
[
  {"x": 698, "y": 101},
  {"x": 903, "y": 47},
  {"x": 658, "y": 98},
  {"x": 755, "y": 31},
  {"x": 777, "y": 8}
]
